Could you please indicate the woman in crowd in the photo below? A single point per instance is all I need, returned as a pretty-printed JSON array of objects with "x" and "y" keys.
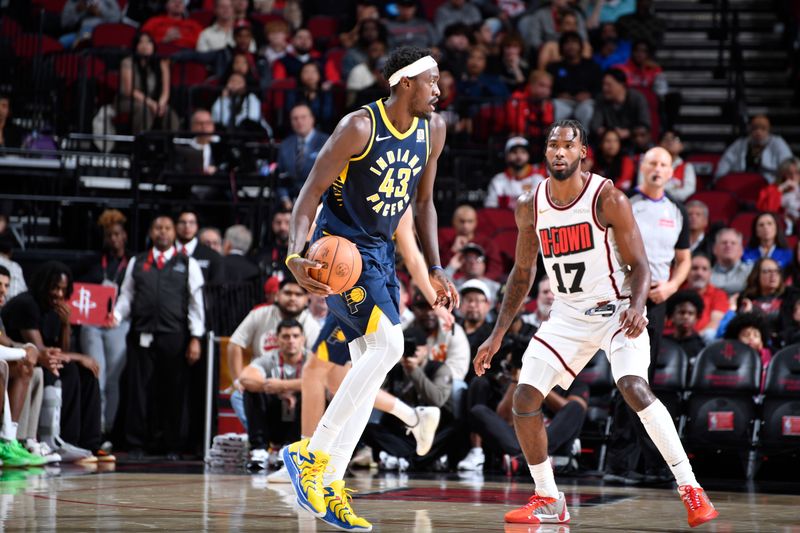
[
  {"x": 767, "y": 240},
  {"x": 314, "y": 91},
  {"x": 144, "y": 87},
  {"x": 106, "y": 345},
  {"x": 611, "y": 163},
  {"x": 237, "y": 108},
  {"x": 753, "y": 330}
]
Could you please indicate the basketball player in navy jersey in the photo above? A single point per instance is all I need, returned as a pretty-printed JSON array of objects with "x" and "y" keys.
[
  {"x": 378, "y": 160},
  {"x": 591, "y": 247}
]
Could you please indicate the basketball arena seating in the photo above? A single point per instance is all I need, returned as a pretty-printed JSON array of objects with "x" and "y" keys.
[
  {"x": 722, "y": 205},
  {"x": 780, "y": 427},
  {"x": 745, "y": 186},
  {"x": 721, "y": 408},
  {"x": 669, "y": 379},
  {"x": 597, "y": 426}
]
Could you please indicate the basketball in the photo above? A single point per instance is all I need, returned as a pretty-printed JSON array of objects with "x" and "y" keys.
[{"x": 341, "y": 263}]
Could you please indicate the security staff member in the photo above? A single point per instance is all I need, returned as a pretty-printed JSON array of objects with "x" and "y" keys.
[{"x": 162, "y": 294}]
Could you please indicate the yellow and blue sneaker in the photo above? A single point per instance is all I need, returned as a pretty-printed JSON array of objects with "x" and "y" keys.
[
  {"x": 339, "y": 512},
  {"x": 305, "y": 471}
]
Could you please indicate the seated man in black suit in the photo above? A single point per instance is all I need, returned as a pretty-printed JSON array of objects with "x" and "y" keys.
[
  {"x": 298, "y": 152},
  {"x": 235, "y": 246}
]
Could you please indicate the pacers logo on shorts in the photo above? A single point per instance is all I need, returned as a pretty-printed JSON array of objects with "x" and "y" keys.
[{"x": 354, "y": 297}]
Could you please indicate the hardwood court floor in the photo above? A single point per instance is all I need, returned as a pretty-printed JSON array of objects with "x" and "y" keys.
[{"x": 131, "y": 501}]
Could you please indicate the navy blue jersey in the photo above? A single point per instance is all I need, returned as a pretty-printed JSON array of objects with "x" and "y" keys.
[{"x": 373, "y": 191}]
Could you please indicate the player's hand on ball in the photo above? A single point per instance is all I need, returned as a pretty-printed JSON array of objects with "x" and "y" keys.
[
  {"x": 483, "y": 359},
  {"x": 632, "y": 322},
  {"x": 446, "y": 293},
  {"x": 299, "y": 267}
]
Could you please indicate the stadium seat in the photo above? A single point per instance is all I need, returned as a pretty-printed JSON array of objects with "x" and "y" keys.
[
  {"x": 202, "y": 17},
  {"x": 721, "y": 410},
  {"x": 28, "y": 45},
  {"x": 188, "y": 73},
  {"x": 71, "y": 67},
  {"x": 722, "y": 205},
  {"x": 324, "y": 30},
  {"x": 494, "y": 219},
  {"x": 669, "y": 379},
  {"x": 597, "y": 426},
  {"x": 333, "y": 65},
  {"x": 113, "y": 35},
  {"x": 50, "y": 6},
  {"x": 506, "y": 243},
  {"x": 264, "y": 18},
  {"x": 446, "y": 234},
  {"x": 10, "y": 27},
  {"x": 743, "y": 222},
  {"x": 704, "y": 165},
  {"x": 780, "y": 429},
  {"x": 745, "y": 186}
]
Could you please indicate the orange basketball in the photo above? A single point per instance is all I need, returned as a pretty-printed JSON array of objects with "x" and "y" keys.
[{"x": 341, "y": 263}]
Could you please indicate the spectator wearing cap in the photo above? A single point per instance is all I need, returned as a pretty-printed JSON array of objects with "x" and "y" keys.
[
  {"x": 519, "y": 176},
  {"x": 684, "y": 308},
  {"x": 619, "y": 108},
  {"x": 575, "y": 80},
  {"x": 220, "y": 33},
  {"x": 408, "y": 29},
  {"x": 456, "y": 12},
  {"x": 760, "y": 151},
  {"x": 235, "y": 246},
  {"x": 715, "y": 300},
  {"x": 530, "y": 111},
  {"x": 173, "y": 27},
  {"x": 470, "y": 264},
  {"x": 474, "y": 312}
]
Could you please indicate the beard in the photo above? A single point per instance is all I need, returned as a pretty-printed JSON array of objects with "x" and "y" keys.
[
  {"x": 516, "y": 166},
  {"x": 562, "y": 175}
]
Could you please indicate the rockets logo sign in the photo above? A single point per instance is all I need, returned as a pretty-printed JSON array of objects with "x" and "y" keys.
[
  {"x": 566, "y": 240},
  {"x": 84, "y": 303},
  {"x": 91, "y": 304}
]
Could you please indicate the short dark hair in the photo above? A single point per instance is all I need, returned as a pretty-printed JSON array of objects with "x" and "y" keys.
[
  {"x": 289, "y": 280},
  {"x": 747, "y": 320},
  {"x": 618, "y": 75},
  {"x": 46, "y": 278},
  {"x": 576, "y": 127},
  {"x": 4, "y": 272},
  {"x": 403, "y": 57},
  {"x": 288, "y": 323},
  {"x": 685, "y": 296},
  {"x": 568, "y": 36}
]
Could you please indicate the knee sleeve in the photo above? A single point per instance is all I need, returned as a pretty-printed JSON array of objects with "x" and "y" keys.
[{"x": 385, "y": 345}]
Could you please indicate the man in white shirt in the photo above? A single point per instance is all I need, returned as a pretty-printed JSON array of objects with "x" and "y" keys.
[
  {"x": 518, "y": 177},
  {"x": 162, "y": 294},
  {"x": 220, "y": 34}
]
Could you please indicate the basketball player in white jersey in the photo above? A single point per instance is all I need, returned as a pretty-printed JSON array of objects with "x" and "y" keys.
[{"x": 595, "y": 258}]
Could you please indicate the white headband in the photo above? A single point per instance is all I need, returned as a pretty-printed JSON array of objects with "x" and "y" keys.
[{"x": 409, "y": 71}]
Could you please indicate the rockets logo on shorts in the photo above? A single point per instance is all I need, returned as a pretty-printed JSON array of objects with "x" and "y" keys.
[{"x": 566, "y": 240}]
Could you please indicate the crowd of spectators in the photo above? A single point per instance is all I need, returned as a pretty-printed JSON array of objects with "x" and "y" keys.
[{"x": 505, "y": 69}]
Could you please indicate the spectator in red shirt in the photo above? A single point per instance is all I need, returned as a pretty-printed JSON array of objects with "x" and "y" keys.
[
  {"x": 530, "y": 111},
  {"x": 611, "y": 163},
  {"x": 715, "y": 300},
  {"x": 642, "y": 71},
  {"x": 173, "y": 27}
]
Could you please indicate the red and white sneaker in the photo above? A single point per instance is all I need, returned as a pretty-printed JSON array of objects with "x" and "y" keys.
[
  {"x": 540, "y": 510},
  {"x": 698, "y": 506}
]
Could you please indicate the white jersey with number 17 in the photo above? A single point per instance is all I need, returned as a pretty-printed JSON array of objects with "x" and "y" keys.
[{"x": 580, "y": 254}]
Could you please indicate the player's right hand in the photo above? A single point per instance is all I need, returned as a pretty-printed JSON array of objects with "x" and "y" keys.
[
  {"x": 483, "y": 358},
  {"x": 299, "y": 267}
]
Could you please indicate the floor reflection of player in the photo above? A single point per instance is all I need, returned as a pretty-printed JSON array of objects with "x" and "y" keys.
[
  {"x": 591, "y": 247},
  {"x": 378, "y": 158}
]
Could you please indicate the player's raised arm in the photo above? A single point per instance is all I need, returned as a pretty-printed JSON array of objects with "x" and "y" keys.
[
  {"x": 350, "y": 137},
  {"x": 519, "y": 281},
  {"x": 614, "y": 210},
  {"x": 427, "y": 222}
]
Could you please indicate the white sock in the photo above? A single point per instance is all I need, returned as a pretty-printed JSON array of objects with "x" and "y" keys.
[
  {"x": 659, "y": 425},
  {"x": 383, "y": 350},
  {"x": 9, "y": 430},
  {"x": 405, "y": 413},
  {"x": 544, "y": 480}
]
